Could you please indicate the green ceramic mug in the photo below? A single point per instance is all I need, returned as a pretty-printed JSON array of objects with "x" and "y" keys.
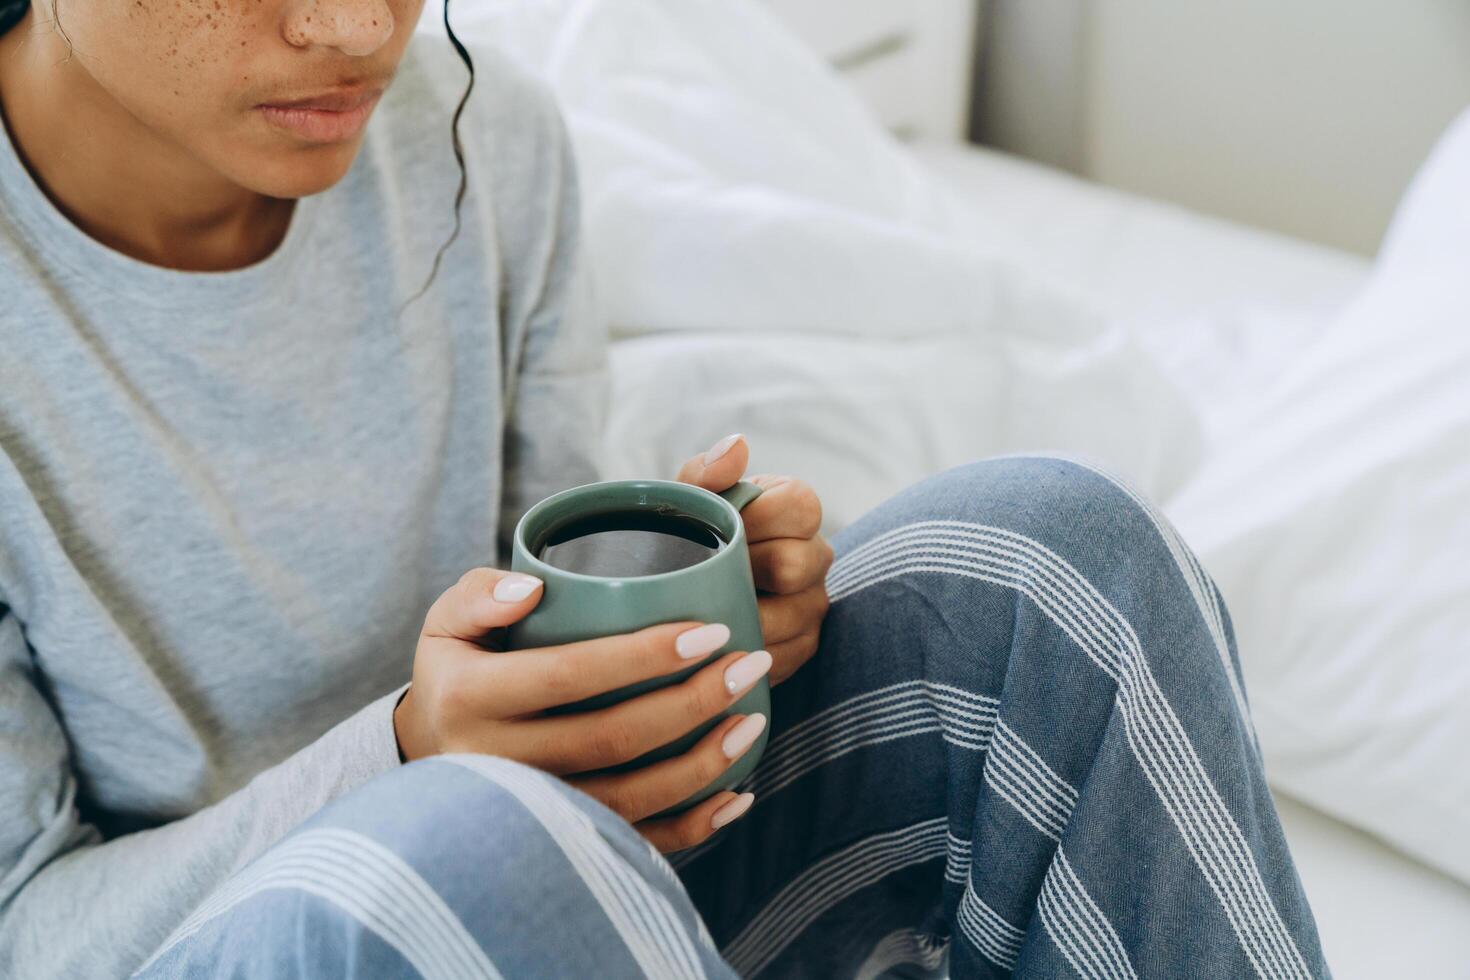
[{"x": 719, "y": 589}]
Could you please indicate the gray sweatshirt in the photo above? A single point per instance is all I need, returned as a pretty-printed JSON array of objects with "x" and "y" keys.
[{"x": 228, "y": 499}]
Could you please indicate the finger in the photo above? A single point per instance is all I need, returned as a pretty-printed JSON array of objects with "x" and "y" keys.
[
  {"x": 786, "y": 616},
  {"x": 656, "y": 787},
  {"x": 786, "y": 508},
  {"x": 718, "y": 467},
  {"x": 524, "y": 681},
  {"x": 696, "y": 824},
  {"x": 483, "y": 599},
  {"x": 788, "y": 656},
  {"x": 562, "y": 744},
  {"x": 788, "y": 565}
]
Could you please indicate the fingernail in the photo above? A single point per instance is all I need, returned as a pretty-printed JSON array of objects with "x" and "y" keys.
[
  {"x": 720, "y": 448},
  {"x": 515, "y": 587},
  {"x": 702, "y": 640},
  {"x": 743, "y": 736},
  {"x": 746, "y": 671},
  {"x": 731, "y": 810}
]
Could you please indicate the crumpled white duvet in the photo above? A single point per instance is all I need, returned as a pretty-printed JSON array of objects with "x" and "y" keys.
[{"x": 771, "y": 262}]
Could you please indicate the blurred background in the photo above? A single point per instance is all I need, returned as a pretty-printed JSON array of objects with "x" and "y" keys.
[{"x": 1307, "y": 118}]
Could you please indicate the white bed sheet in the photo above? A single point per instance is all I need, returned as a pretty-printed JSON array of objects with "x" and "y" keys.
[
  {"x": 1225, "y": 308},
  {"x": 1222, "y": 307}
]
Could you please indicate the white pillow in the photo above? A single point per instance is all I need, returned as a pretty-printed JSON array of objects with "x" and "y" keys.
[
  {"x": 1337, "y": 523},
  {"x": 1432, "y": 224}
]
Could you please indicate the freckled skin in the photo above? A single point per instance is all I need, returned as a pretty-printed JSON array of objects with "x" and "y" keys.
[{"x": 172, "y": 86}]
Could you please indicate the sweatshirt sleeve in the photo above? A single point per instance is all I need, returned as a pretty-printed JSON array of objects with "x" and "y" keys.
[
  {"x": 74, "y": 905},
  {"x": 558, "y": 391}
]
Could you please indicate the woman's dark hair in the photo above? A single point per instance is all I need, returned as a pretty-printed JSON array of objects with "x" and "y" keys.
[
  {"x": 458, "y": 146},
  {"x": 11, "y": 11}
]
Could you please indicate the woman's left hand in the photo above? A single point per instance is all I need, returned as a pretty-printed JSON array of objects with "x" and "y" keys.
[{"x": 788, "y": 556}]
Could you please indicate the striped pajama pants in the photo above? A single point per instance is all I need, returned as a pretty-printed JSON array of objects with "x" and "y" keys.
[{"x": 1022, "y": 749}]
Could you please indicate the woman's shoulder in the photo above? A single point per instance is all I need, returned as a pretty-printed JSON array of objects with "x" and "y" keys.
[
  {"x": 507, "y": 105},
  {"x": 520, "y": 168}
]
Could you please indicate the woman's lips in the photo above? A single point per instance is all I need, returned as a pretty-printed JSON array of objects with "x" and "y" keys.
[{"x": 323, "y": 119}]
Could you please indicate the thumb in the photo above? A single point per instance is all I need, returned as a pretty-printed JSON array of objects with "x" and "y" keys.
[
  {"x": 482, "y": 600},
  {"x": 720, "y": 466}
]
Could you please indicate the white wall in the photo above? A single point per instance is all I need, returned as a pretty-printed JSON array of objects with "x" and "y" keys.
[
  {"x": 1307, "y": 116},
  {"x": 911, "y": 60},
  {"x": 1029, "y": 94}
]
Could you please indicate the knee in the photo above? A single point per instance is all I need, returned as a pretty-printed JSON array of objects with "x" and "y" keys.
[
  {"x": 1096, "y": 554},
  {"x": 1035, "y": 525},
  {"x": 1047, "y": 527},
  {"x": 1023, "y": 542},
  {"x": 1063, "y": 504}
]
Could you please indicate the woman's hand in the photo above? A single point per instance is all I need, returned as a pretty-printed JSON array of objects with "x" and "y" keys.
[
  {"x": 788, "y": 556},
  {"x": 467, "y": 698}
]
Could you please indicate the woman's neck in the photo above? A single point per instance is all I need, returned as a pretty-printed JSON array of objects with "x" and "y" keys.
[{"x": 113, "y": 177}]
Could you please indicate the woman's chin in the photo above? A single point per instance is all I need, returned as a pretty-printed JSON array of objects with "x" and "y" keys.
[{"x": 300, "y": 173}]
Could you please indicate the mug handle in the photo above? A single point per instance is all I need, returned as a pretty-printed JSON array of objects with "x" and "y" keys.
[{"x": 741, "y": 493}]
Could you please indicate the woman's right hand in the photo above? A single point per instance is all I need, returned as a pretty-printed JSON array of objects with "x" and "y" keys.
[{"x": 467, "y": 698}]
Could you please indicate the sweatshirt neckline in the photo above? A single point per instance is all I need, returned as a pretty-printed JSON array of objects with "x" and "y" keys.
[{"x": 67, "y": 246}]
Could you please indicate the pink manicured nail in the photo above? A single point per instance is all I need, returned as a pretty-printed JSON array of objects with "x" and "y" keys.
[
  {"x": 720, "y": 448},
  {"x": 743, "y": 736},
  {"x": 515, "y": 587},
  {"x": 702, "y": 640},
  {"x": 746, "y": 671},
  {"x": 731, "y": 810}
]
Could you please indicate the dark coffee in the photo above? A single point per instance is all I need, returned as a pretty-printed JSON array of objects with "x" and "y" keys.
[{"x": 629, "y": 543}]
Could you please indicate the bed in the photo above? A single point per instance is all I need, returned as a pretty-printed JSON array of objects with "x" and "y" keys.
[{"x": 771, "y": 260}]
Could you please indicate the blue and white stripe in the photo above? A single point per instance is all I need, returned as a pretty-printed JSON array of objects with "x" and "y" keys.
[
  {"x": 826, "y": 883},
  {"x": 957, "y": 861},
  {"x": 1200, "y": 588},
  {"x": 644, "y": 919},
  {"x": 368, "y": 882},
  {"x": 904, "y": 710},
  {"x": 1078, "y": 927},
  {"x": 1155, "y": 735},
  {"x": 1020, "y": 776},
  {"x": 988, "y": 931},
  {"x": 898, "y": 711}
]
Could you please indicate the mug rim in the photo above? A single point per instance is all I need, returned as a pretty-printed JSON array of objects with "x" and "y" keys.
[{"x": 541, "y": 569}]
